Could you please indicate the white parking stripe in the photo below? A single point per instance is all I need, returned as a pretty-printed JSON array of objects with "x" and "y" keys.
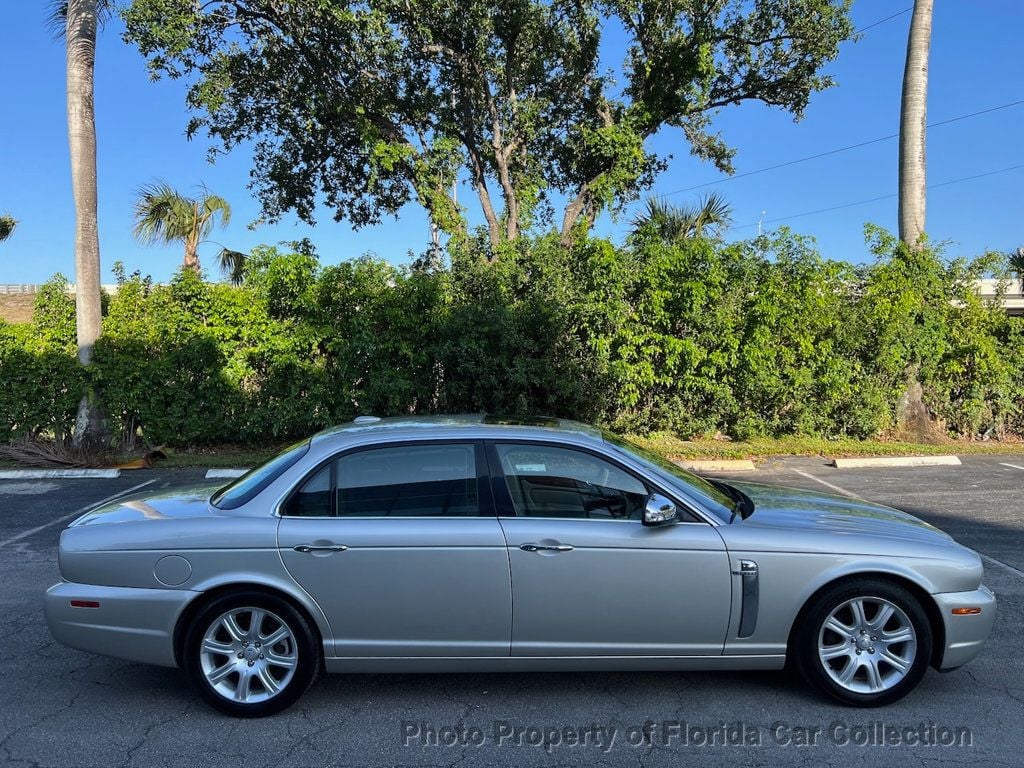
[
  {"x": 224, "y": 473},
  {"x": 1012, "y": 466},
  {"x": 835, "y": 488},
  {"x": 76, "y": 513}
]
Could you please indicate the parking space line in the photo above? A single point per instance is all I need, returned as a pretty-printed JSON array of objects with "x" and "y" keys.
[
  {"x": 76, "y": 513},
  {"x": 827, "y": 484},
  {"x": 1012, "y": 466}
]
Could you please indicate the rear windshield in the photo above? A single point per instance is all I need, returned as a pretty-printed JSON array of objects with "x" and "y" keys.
[{"x": 246, "y": 487}]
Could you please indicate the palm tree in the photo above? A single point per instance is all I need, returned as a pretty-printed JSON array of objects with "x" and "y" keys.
[
  {"x": 913, "y": 116},
  {"x": 7, "y": 225},
  {"x": 674, "y": 223},
  {"x": 77, "y": 21},
  {"x": 1016, "y": 262},
  {"x": 163, "y": 215}
]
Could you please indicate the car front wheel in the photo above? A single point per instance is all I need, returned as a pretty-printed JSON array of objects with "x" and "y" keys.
[
  {"x": 865, "y": 642},
  {"x": 251, "y": 655}
]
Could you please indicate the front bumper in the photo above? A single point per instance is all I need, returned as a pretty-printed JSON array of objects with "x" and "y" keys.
[
  {"x": 130, "y": 623},
  {"x": 965, "y": 635}
]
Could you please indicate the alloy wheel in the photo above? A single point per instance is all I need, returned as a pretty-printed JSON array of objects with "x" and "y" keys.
[
  {"x": 867, "y": 645},
  {"x": 248, "y": 655}
]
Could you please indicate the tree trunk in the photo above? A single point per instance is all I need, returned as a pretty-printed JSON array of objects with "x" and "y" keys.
[
  {"x": 192, "y": 256},
  {"x": 509, "y": 193},
  {"x": 913, "y": 118},
  {"x": 572, "y": 214},
  {"x": 81, "y": 58}
]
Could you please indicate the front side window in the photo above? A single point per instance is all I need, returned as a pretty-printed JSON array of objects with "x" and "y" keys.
[
  {"x": 549, "y": 481},
  {"x": 712, "y": 497},
  {"x": 400, "y": 481}
]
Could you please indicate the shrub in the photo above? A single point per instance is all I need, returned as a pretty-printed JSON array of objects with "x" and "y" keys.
[{"x": 764, "y": 337}]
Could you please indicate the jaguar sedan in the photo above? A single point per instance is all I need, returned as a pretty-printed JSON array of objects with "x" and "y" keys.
[{"x": 482, "y": 543}]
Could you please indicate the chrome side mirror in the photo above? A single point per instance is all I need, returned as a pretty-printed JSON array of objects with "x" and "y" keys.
[{"x": 659, "y": 510}]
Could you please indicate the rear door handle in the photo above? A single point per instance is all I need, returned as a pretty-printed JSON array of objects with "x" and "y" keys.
[
  {"x": 546, "y": 547},
  {"x": 306, "y": 548}
]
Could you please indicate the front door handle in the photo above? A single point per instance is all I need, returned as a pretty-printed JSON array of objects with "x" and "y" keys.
[
  {"x": 306, "y": 548},
  {"x": 546, "y": 547}
]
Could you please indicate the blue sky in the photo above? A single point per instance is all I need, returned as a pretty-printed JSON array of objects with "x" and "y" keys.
[{"x": 976, "y": 64}]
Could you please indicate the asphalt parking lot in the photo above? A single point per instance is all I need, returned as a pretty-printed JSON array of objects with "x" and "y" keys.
[{"x": 60, "y": 707}]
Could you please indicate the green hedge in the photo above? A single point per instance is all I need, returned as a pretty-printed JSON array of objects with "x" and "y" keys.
[{"x": 763, "y": 337}]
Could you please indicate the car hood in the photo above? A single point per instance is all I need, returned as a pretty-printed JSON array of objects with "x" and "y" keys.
[
  {"x": 180, "y": 503},
  {"x": 796, "y": 509}
]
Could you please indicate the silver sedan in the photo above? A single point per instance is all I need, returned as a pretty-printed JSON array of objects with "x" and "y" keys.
[{"x": 482, "y": 543}]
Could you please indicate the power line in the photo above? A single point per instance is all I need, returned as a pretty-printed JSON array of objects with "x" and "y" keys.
[
  {"x": 838, "y": 150},
  {"x": 882, "y": 21},
  {"x": 881, "y": 197}
]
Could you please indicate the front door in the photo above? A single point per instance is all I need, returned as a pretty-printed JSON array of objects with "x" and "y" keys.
[
  {"x": 588, "y": 578},
  {"x": 400, "y": 547}
]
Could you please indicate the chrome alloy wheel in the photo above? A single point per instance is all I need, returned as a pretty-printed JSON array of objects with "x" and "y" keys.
[
  {"x": 248, "y": 655},
  {"x": 867, "y": 645}
]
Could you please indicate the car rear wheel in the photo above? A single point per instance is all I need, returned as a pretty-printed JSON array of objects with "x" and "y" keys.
[
  {"x": 251, "y": 654},
  {"x": 865, "y": 642}
]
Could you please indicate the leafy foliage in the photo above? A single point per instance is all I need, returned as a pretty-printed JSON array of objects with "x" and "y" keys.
[
  {"x": 373, "y": 105},
  {"x": 758, "y": 338}
]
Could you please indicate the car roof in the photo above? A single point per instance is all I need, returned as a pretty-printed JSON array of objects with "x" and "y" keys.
[{"x": 458, "y": 425}]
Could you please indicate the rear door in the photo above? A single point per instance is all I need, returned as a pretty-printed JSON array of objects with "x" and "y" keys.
[
  {"x": 400, "y": 546},
  {"x": 588, "y": 578}
]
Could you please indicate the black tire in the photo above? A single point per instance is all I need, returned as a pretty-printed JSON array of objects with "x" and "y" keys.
[
  {"x": 303, "y": 645},
  {"x": 804, "y": 651}
]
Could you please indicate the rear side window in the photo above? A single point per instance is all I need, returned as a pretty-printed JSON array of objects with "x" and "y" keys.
[
  {"x": 399, "y": 481},
  {"x": 246, "y": 487}
]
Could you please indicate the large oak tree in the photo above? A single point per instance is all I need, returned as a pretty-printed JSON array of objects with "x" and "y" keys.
[{"x": 369, "y": 105}]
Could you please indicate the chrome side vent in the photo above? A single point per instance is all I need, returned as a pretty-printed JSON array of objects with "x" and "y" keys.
[{"x": 749, "y": 596}]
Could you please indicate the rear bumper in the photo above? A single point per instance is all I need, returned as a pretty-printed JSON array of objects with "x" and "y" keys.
[
  {"x": 130, "y": 623},
  {"x": 965, "y": 635}
]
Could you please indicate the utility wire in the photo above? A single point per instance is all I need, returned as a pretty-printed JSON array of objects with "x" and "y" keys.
[
  {"x": 838, "y": 150},
  {"x": 880, "y": 197},
  {"x": 882, "y": 21}
]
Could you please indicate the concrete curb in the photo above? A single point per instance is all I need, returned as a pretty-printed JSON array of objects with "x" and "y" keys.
[
  {"x": 896, "y": 461},
  {"x": 40, "y": 474},
  {"x": 718, "y": 465},
  {"x": 224, "y": 473}
]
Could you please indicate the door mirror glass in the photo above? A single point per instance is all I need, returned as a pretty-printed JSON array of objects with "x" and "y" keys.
[{"x": 659, "y": 510}]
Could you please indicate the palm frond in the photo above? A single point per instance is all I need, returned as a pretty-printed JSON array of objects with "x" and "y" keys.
[
  {"x": 713, "y": 212},
  {"x": 211, "y": 207},
  {"x": 232, "y": 264},
  {"x": 672, "y": 223},
  {"x": 57, "y": 16},
  {"x": 7, "y": 225},
  {"x": 1016, "y": 262},
  {"x": 161, "y": 214}
]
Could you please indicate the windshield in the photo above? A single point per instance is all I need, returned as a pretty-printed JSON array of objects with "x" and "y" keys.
[
  {"x": 246, "y": 487},
  {"x": 714, "y": 497}
]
